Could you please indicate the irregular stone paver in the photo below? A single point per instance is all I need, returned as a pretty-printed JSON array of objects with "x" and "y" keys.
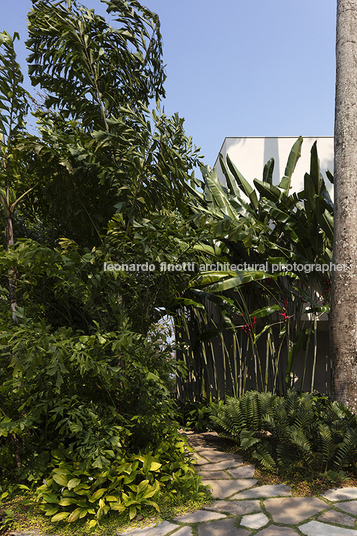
[
  {"x": 315, "y": 528},
  {"x": 350, "y": 507},
  {"x": 199, "y": 517},
  {"x": 210, "y": 434},
  {"x": 274, "y": 530},
  {"x": 235, "y": 507},
  {"x": 246, "y": 471},
  {"x": 224, "y": 488},
  {"x": 203, "y": 449},
  {"x": 268, "y": 490},
  {"x": 24, "y": 533},
  {"x": 337, "y": 517},
  {"x": 160, "y": 530},
  {"x": 226, "y": 527},
  {"x": 199, "y": 459},
  {"x": 292, "y": 510},
  {"x": 255, "y": 521},
  {"x": 222, "y": 466},
  {"x": 184, "y": 531},
  {"x": 205, "y": 473},
  {"x": 227, "y": 476},
  {"x": 217, "y": 457},
  {"x": 340, "y": 494}
]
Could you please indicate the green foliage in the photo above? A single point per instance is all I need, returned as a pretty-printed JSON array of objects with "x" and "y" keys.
[
  {"x": 78, "y": 58},
  {"x": 103, "y": 394},
  {"x": 14, "y": 104},
  {"x": 72, "y": 492},
  {"x": 86, "y": 371},
  {"x": 7, "y": 519},
  {"x": 258, "y": 311},
  {"x": 296, "y": 431},
  {"x": 194, "y": 415}
]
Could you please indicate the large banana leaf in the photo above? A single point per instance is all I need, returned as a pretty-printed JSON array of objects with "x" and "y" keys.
[
  {"x": 217, "y": 192},
  {"x": 293, "y": 158},
  {"x": 268, "y": 171},
  {"x": 243, "y": 184},
  {"x": 231, "y": 183},
  {"x": 268, "y": 190},
  {"x": 221, "y": 281}
]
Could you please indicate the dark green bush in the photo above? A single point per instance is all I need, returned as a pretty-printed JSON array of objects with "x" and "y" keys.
[
  {"x": 194, "y": 415},
  {"x": 88, "y": 413},
  {"x": 287, "y": 433}
]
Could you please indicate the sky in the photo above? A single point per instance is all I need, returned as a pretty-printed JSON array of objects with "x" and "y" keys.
[{"x": 237, "y": 67}]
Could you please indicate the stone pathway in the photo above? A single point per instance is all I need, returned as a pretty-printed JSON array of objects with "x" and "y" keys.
[{"x": 244, "y": 509}]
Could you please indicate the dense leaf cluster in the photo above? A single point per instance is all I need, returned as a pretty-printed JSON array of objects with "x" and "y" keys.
[
  {"x": 86, "y": 370},
  {"x": 291, "y": 433}
]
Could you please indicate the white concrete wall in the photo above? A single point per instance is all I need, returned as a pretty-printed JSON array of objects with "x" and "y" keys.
[{"x": 251, "y": 154}]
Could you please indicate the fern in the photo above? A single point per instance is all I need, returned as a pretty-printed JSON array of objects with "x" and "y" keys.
[
  {"x": 297, "y": 431},
  {"x": 263, "y": 456},
  {"x": 247, "y": 439}
]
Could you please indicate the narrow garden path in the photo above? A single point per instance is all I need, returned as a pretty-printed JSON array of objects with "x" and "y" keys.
[{"x": 243, "y": 508}]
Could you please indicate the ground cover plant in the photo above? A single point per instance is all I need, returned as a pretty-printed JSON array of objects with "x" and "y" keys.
[{"x": 292, "y": 433}]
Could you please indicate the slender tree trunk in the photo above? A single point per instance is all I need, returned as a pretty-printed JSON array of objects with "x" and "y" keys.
[
  {"x": 343, "y": 332},
  {"x": 9, "y": 239}
]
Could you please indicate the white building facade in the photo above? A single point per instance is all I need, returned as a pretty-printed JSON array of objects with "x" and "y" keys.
[{"x": 252, "y": 153}]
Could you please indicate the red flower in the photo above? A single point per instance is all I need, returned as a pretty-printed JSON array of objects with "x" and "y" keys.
[
  {"x": 247, "y": 328},
  {"x": 284, "y": 313}
]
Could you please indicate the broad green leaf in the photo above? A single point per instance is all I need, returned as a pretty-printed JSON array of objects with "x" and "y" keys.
[
  {"x": 243, "y": 184},
  {"x": 74, "y": 482},
  {"x": 51, "y": 510},
  {"x": 118, "y": 506},
  {"x": 217, "y": 192},
  {"x": 285, "y": 184},
  {"x": 265, "y": 311},
  {"x": 315, "y": 167},
  {"x": 293, "y": 158},
  {"x": 97, "y": 494},
  {"x": 155, "y": 466},
  {"x": 330, "y": 176},
  {"x": 83, "y": 513},
  {"x": 154, "y": 504},
  {"x": 231, "y": 183},
  {"x": 50, "y": 498},
  {"x": 268, "y": 171},
  {"x": 241, "y": 278},
  {"x": 268, "y": 190},
  {"x": 142, "y": 486},
  {"x": 132, "y": 512},
  {"x": 74, "y": 515},
  {"x": 60, "y": 479},
  {"x": 60, "y": 517},
  {"x": 188, "y": 302}
]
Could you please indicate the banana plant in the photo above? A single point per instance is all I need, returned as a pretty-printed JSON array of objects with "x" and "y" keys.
[{"x": 269, "y": 224}]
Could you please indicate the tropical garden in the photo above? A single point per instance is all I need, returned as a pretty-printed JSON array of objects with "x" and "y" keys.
[{"x": 93, "y": 384}]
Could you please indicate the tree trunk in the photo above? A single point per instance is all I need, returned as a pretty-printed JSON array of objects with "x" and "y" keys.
[
  {"x": 343, "y": 331},
  {"x": 9, "y": 238}
]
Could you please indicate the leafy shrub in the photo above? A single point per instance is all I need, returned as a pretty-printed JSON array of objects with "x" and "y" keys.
[
  {"x": 194, "y": 415},
  {"x": 93, "y": 417},
  {"x": 72, "y": 492},
  {"x": 295, "y": 431}
]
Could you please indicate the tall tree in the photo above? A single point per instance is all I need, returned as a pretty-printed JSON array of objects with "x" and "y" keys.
[
  {"x": 344, "y": 287},
  {"x": 13, "y": 108}
]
